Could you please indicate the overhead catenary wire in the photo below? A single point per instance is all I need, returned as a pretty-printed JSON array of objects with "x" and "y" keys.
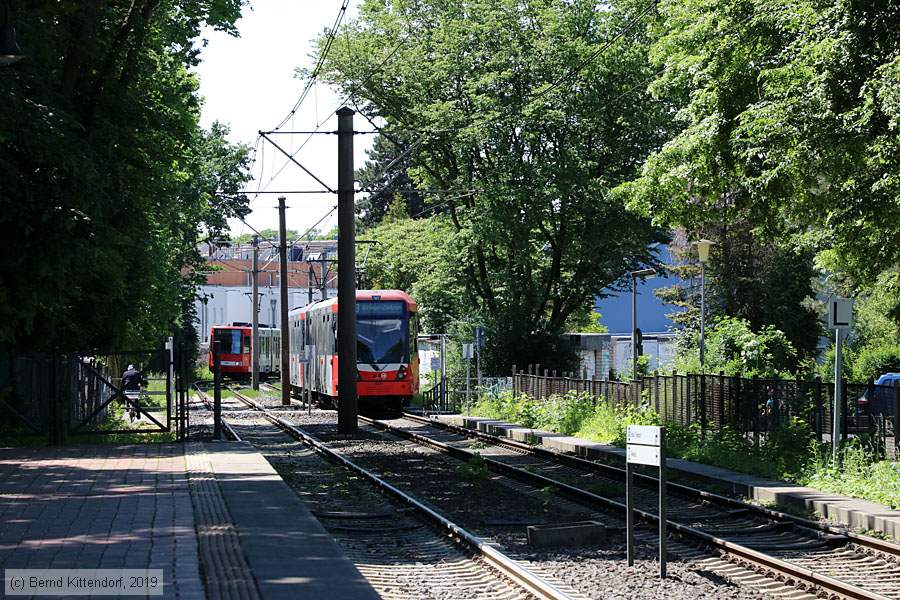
[
  {"x": 378, "y": 68},
  {"x": 319, "y": 64}
]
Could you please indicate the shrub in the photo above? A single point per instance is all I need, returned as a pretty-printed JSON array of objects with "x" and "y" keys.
[
  {"x": 860, "y": 474},
  {"x": 733, "y": 347},
  {"x": 872, "y": 361}
]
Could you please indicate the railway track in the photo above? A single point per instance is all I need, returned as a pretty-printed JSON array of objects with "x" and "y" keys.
[
  {"x": 401, "y": 545},
  {"x": 816, "y": 557},
  {"x": 587, "y": 569}
]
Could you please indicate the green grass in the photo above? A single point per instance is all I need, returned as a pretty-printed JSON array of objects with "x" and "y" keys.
[{"x": 790, "y": 453}]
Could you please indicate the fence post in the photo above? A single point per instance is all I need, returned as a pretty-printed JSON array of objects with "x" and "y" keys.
[
  {"x": 53, "y": 398},
  {"x": 844, "y": 410},
  {"x": 721, "y": 399},
  {"x": 870, "y": 389},
  {"x": 675, "y": 412},
  {"x": 656, "y": 389},
  {"x": 704, "y": 417},
  {"x": 514, "y": 381},
  {"x": 736, "y": 403},
  {"x": 896, "y": 418},
  {"x": 818, "y": 408},
  {"x": 755, "y": 395}
]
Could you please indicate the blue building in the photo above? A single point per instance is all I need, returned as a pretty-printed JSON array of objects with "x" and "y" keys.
[
  {"x": 605, "y": 352},
  {"x": 616, "y": 309}
]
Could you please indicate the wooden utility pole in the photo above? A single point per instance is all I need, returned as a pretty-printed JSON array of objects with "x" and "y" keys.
[
  {"x": 347, "y": 373},
  {"x": 285, "y": 338},
  {"x": 254, "y": 381}
]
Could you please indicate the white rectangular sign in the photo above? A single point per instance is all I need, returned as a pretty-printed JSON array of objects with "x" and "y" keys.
[
  {"x": 840, "y": 313},
  {"x": 468, "y": 351},
  {"x": 647, "y": 435},
  {"x": 643, "y": 455}
]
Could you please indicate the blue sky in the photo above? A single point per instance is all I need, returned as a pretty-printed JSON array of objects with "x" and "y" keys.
[{"x": 248, "y": 83}]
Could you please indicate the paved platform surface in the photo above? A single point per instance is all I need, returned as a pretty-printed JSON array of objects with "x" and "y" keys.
[
  {"x": 104, "y": 507},
  {"x": 858, "y": 514},
  {"x": 284, "y": 545},
  {"x": 215, "y": 517}
]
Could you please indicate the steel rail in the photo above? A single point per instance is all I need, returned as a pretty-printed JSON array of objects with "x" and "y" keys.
[
  {"x": 204, "y": 397},
  {"x": 523, "y": 577},
  {"x": 783, "y": 568},
  {"x": 581, "y": 463}
]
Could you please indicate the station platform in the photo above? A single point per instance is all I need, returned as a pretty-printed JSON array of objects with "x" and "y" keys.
[
  {"x": 842, "y": 510},
  {"x": 215, "y": 517}
]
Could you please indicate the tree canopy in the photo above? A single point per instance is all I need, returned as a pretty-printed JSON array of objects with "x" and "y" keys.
[
  {"x": 515, "y": 135},
  {"x": 790, "y": 122},
  {"x": 109, "y": 182}
]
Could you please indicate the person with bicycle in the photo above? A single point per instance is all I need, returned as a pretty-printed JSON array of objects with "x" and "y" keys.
[{"x": 132, "y": 381}]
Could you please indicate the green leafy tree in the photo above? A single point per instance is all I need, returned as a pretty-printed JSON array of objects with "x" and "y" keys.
[
  {"x": 109, "y": 182},
  {"x": 419, "y": 257},
  {"x": 790, "y": 123},
  {"x": 384, "y": 152},
  {"x": 531, "y": 144},
  {"x": 733, "y": 347}
]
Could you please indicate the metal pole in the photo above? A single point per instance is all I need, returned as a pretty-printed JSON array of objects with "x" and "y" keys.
[
  {"x": 478, "y": 360},
  {"x": 443, "y": 388},
  {"x": 468, "y": 385},
  {"x": 836, "y": 430},
  {"x": 702, "y": 318},
  {"x": 347, "y": 373},
  {"x": 634, "y": 354},
  {"x": 217, "y": 391},
  {"x": 255, "y": 308},
  {"x": 629, "y": 510},
  {"x": 322, "y": 282},
  {"x": 171, "y": 389},
  {"x": 662, "y": 503},
  {"x": 309, "y": 275},
  {"x": 283, "y": 275}
]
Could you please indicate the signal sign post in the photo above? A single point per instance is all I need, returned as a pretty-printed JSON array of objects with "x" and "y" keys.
[
  {"x": 840, "y": 317},
  {"x": 646, "y": 446},
  {"x": 467, "y": 350},
  {"x": 308, "y": 361},
  {"x": 217, "y": 389}
]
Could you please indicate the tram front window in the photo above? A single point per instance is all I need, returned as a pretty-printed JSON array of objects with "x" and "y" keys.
[
  {"x": 229, "y": 341},
  {"x": 382, "y": 333}
]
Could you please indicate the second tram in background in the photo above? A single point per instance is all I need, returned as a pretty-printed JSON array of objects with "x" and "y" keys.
[
  {"x": 387, "y": 361},
  {"x": 235, "y": 348}
]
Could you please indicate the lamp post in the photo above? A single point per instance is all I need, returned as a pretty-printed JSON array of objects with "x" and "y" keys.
[
  {"x": 635, "y": 275},
  {"x": 703, "y": 254}
]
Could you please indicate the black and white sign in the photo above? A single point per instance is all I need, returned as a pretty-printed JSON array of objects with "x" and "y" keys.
[
  {"x": 840, "y": 313},
  {"x": 643, "y": 455},
  {"x": 647, "y": 435}
]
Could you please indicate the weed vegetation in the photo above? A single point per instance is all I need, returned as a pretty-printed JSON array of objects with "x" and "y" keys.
[{"x": 790, "y": 452}]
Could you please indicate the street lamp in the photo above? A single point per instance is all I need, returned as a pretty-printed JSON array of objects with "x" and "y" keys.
[
  {"x": 635, "y": 275},
  {"x": 703, "y": 253}
]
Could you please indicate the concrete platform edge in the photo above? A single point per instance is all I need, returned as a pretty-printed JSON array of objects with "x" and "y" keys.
[{"x": 851, "y": 512}]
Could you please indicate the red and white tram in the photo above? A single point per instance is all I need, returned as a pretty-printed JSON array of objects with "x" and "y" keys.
[
  {"x": 236, "y": 346},
  {"x": 386, "y": 355}
]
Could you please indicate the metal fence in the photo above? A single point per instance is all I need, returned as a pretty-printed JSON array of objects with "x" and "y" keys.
[
  {"x": 55, "y": 395},
  {"x": 450, "y": 395},
  {"x": 751, "y": 406}
]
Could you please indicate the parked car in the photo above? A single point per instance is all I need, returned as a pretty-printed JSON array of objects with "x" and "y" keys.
[{"x": 882, "y": 400}]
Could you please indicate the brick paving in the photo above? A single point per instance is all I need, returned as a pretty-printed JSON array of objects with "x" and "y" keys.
[{"x": 100, "y": 507}]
